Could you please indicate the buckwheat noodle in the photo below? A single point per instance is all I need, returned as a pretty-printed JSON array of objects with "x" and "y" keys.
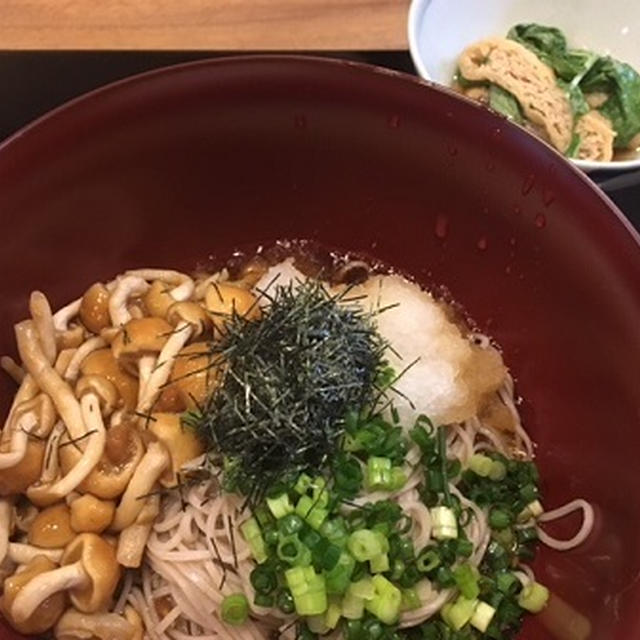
[{"x": 195, "y": 555}]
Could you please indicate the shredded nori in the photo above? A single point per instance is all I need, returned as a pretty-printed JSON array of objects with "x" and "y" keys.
[{"x": 288, "y": 381}]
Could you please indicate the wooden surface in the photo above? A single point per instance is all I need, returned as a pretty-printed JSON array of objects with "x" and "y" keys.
[{"x": 223, "y": 25}]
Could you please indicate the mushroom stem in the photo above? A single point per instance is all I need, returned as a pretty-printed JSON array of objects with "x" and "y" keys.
[
  {"x": 43, "y": 322},
  {"x": 44, "y": 585},
  {"x": 162, "y": 370},
  {"x": 89, "y": 346},
  {"x": 185, "y": 285},
  {"x": 133, "y": 539},
  {"x": 24, "y": 553},
  {"x": 135, "y": 620},
  {"x": 150, "y": 468},
  {"x": 62, "y": 317},
  {"x": 146, "y": 366},
  {"x": 49, "y": 493},
  {"x": 5, "y": 527},
  {"x": 12, "y": 368},
  {"x": 19, "y": 439},
  {"x": 64, "y": 358},
  {"x": 74, "y": 625},
  {"x": 43, "y": 411},
  {"x": 27, "y": 391},
  {"x": 48, "y": 379},
  {"x": 126, "y": 287},
  {"x": 51, "y": 464}
]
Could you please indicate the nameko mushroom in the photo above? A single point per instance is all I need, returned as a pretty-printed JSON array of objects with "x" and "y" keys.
[
  {"x": 89, "y": 573},
  {"x": 137, "y": 345},
  {"x": 95, "y": 395},
  {"x": 49, "y": 606},
  {"x": 75, "y": 625},
  {"x": 190, "y": 320},
  {"x": 31, "y": 419},
  {"x": 122, "y": 452},
  {"x": 47, "y": 379},
  {"x": 195, "y": 374},
  {"x": 152, "y": 465},
  {"x": 51, "y": 528},
  {"x": 222, "y": 300}
]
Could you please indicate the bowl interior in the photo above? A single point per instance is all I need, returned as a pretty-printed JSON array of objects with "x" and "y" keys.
[
  {"x": 439, "y": 30},
  {"x": 180, "y": 167}
]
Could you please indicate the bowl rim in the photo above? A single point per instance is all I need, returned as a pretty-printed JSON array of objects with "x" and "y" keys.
[
  {"x": 417, "y": 10},
  {"x": 130, "y": 82},
  {"x": 415, "y": 87}
]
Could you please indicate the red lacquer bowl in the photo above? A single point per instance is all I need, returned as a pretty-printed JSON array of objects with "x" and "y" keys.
[{"x": 172, "y": 167}]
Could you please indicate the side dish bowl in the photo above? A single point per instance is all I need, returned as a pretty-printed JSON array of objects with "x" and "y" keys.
[
  {"x": 439, "y": 30},
  {"x": 181, "y": 166}
]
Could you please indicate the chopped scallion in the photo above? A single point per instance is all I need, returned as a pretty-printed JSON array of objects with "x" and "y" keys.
[
  {"x": 445, "y": 525},
  {"x": 280, "y": 506},
  {"x": 386, "y": 603},
  {"x": 235, "y": 609},
  {"x": 482, "y": 616},
  {"x": 534, "y": 597}
]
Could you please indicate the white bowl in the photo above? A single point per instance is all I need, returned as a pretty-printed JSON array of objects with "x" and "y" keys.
[{"x": 440, "y": 29}]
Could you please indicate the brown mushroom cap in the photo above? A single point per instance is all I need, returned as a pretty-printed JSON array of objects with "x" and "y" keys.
[
  {"x": 192, "y": 313},
  {"x": 91, "y": 515},
  {"x": 195, "y": 374},
  {"x": 98, "y": 560},
  {"x": 51, "y": 528},
  {"x": 103, "y": 363},
  {"x": 222, "y": 300},
  {"x": 103, "y": 388},
  {"x": 16, "y": 479},
  {"x": 49, "y": 610},
  {"x": 181, "y": 442},
  {"x": 109, "y": 478},
  {"x": 94, "y": 308},
  {"x": 158, "y": 299},
  {"x": 141, "y": 336}
]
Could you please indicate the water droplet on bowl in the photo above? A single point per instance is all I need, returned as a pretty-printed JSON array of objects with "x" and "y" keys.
[
  {"x": 540, "y": 220},
  {"x": 490, "y": 166},
  {"x": 548, "y": 197},
  {"x": 482, "y": 243},
  {"x": 394, "y": 121},
  {"x": 496, "y": 133},
  {"x": 517, "y": 210},
  {"x": 512, "y": 241},
  {"x": 452, "y": 149},
  {"x": 507, "y": 269},
  {"x": 528, "y": 183},
  {"x": 442, "y": 226}
]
